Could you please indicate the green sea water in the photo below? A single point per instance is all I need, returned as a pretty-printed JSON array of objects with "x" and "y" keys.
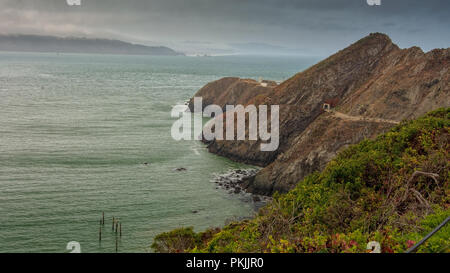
[{"x": 75, "y": 131}]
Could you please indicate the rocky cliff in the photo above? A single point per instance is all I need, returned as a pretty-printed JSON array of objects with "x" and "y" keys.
[
  {"x": 232, "y": 91},
  {"x": 371, "y": 86}
]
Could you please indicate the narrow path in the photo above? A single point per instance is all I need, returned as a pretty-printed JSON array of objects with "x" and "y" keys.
[{"x": 361, "y": 118}]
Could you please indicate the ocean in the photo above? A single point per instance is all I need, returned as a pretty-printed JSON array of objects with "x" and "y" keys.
[{"x": 76, "y": 130}]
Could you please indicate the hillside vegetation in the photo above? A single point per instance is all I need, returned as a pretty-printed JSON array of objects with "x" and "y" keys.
[{"x": 393, "y": 190}]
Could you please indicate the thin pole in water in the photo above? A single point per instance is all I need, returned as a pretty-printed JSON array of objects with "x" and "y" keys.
[{"x": 117, "y": 244}]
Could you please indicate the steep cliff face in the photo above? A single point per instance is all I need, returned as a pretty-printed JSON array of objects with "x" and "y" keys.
[{"x": 370, "y": 85}]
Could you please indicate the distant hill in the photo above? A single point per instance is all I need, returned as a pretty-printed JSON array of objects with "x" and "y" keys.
[{"x": 35, "y": 43}]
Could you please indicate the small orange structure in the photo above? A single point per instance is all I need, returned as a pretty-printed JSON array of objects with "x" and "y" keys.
[{"x": 328, "y": 104}]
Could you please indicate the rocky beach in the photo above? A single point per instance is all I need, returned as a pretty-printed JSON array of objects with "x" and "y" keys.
[{"x": 235, "y": 181}]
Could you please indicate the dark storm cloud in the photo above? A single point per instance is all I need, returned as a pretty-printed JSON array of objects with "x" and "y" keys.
[{"x": 310, "y": 26}]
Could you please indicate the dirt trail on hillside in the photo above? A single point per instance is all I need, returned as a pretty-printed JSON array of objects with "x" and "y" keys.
[{"x": 361, "y": 118}]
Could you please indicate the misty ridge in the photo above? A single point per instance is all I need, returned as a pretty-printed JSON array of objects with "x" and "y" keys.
[{"x": 35, "y": 43}]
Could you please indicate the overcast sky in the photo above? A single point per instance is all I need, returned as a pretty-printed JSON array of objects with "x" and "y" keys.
[{"x": 309, "y": 27}]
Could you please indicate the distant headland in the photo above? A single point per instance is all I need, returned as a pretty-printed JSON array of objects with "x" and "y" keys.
[{"x": 36, "y": 43}]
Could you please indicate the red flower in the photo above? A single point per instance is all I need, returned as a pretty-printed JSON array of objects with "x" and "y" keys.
[{"x": 410, "y": 243}]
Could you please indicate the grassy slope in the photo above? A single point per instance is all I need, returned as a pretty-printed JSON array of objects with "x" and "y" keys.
[{"x": 367, "y": 193}]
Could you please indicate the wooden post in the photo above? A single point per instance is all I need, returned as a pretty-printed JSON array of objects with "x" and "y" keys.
[
  {"x": 117, "y": 244},
  {"x": 100, "y": 234},
  {"x": 103, "y": 218},
  {"x": 117, "y": 225},
  {"x": 120, "y": 230},
  {"x": 113, "y": 223}
]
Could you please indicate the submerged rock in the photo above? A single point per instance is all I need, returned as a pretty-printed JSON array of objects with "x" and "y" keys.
[
  {"x": 180, "y": 169},
  {"x": 256, "y": 198}
]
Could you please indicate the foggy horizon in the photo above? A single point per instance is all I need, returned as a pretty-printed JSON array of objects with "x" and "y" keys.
[
  {"x": 303, "y": 27},
  {"x": 306, "y": 27}
]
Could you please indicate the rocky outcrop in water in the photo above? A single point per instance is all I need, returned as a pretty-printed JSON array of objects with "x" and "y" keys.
[{"x": 369, "y": 86}]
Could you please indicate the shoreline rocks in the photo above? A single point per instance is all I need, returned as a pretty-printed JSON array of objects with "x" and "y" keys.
[{"x": 234, "y": 182}]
